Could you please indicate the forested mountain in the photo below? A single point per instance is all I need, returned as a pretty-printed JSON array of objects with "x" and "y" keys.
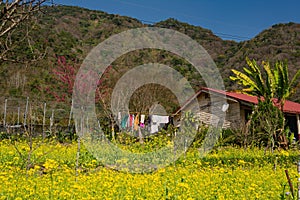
[{"x": 71, "y": 32}]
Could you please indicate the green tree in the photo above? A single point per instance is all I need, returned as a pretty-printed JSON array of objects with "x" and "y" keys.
[{"x": 272, "y": 86}]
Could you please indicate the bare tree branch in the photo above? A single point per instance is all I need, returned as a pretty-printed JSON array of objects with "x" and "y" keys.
[{"x": 13, "y": 14}]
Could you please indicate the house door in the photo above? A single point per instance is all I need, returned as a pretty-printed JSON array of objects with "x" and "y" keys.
[{"x": 291, "y": 122}]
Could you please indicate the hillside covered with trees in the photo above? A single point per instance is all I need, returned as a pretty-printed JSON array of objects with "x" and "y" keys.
[{"x": 71, "y": 32}]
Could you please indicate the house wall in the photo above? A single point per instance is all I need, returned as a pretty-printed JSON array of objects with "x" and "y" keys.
[
  {"x": 242, "y": 115},
  {"x": 233, "y": 115},
  {"x": 236, "y": 115},
  {"x": 203, "y": 113}
]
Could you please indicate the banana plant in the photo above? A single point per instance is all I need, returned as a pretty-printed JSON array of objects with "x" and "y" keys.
[
  {"x": 285, "y": 87},
  {"x": 272, "y": 86},
  {"x": 252, "y": 80},
  {"x": 271, "y": 83}
]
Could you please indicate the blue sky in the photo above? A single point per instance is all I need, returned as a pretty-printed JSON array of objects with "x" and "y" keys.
[{"x": 229, "y": 19}]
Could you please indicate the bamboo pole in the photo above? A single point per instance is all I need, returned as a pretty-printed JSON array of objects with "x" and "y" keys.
[
  {"x": 78, "y": 144},
  {"x": 140, "y": 136},
  {"x": 298, "y": 127},
  {"x": 5, "y": 109},
  {"x": 298, "y": 166},
  {"x": 44, "y": 120},
  {"x": 70, "y": 115},
  {"x": 185, "y": 147},
  {"x": 290, "y": 182},
  {"x": 26, "y": 110},
  {"x": 51, "y": 121},
  {"x": 18, "y": 120}
]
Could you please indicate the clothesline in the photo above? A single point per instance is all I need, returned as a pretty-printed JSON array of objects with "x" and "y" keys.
[
  {"x": 141, "y": 113},
  {"x": 134, "y": 122}
]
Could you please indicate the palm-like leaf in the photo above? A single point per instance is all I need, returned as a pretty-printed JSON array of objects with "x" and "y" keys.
[
  {"x": 244, "y": 80},
  {"x": 275, "y": 84},
  {"x": 293, "y": 84},
  {"x": 270, "y": 79}
]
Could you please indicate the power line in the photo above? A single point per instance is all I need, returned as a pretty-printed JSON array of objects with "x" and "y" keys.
[
  {"x": 219, "y": 34},
  {"x": 226, "y": 35},
  {"x": 182, "y": 14},
  {"x": 222, "y": 35}
]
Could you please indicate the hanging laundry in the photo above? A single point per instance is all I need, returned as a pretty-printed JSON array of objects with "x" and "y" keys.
[
  {"x": 156, "y": 121},
  {"x": 119, "y": 117},
  {"x": 160, "y": 119},
  {"x": 136, "y": 123},
  {"x": 142, "y": 121},
  {"x": 153, "y": 128},
  {"x": 153, "y": 124},
  {"x": 124, "y": 122},
  {"x": 131, "y": 120},
  {"x": 128, "y": 122}
]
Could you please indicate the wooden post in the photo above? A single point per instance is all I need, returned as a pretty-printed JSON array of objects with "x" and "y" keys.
[
  {"x": 290, "y": 182},
  {"x": 99, "y": 133},
  {"x": 31, "y": 119},
  {"x": 298, "y": 126},
  {"x": 78, "y": 144},
  {"x": 275, "y": 164},
  {"x": 174, "y": 149},
  {"x": 18, "y": 120},
  {"x": 5, "y": 109},
  {"x": 70, "y": 115},
  {"x": 140, "y": 136},
  {"x": 113, "y": 131},
  {"x": 51, "y": 121},
  {"x": 185, "y": 147},
  {"x": 298, "y": 165},
  {"x": 26, "y": 110},
  {"x": 87, "y": 123},
  {"x": 44, "y": 120}
]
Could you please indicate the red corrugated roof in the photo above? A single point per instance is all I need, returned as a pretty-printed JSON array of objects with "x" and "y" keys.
[{"x": 289, "y": 106}]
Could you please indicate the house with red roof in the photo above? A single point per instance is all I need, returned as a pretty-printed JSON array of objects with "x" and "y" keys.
[{"x": 237, "y": 109}]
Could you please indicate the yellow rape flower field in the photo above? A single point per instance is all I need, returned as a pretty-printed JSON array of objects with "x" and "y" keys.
[{"x": 226, "y": 173}]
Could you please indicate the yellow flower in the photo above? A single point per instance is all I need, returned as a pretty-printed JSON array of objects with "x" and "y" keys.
[
  {"x": 241, "y": 162},
  {"x": 284, "y": 153},
  {"x": 50, "y": 164},
  {"x": 184, "y": 185}
]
